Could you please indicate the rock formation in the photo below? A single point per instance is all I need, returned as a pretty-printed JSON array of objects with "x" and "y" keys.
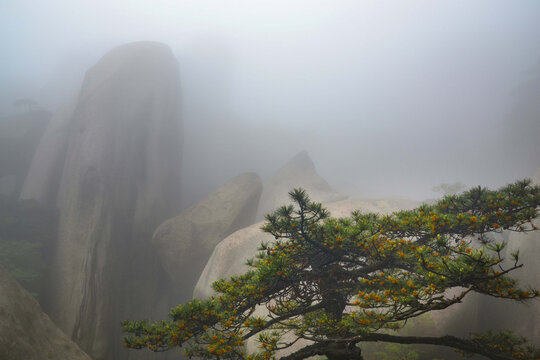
[
  {"x": 229, "y": 257},
  {"x": 26, "y": 332},
  {"x": 185, "y": 242},
  {"x": 298, "y": 172},
  {"x": 120, "y": 169}
]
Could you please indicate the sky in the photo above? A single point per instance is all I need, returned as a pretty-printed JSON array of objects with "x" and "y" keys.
[{"x": 390, "y": 98}]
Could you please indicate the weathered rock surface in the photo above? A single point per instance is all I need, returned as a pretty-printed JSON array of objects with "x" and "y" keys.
[
  {"x": 120, "y": 173},
  {"x": 229, "y": 256},
  {"x": 43, "y": 177},
  {"x": 19, "y": 137},
  {"x": 185, "y": 242},
  {"x": 298, "y": 172},
  {"x": 26, "y": 332}
]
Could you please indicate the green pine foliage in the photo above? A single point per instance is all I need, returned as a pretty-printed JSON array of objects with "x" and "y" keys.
[{"x": 338, "y": 283}]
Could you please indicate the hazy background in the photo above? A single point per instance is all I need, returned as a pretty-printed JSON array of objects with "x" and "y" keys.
[{"x": 388, "y": 97}]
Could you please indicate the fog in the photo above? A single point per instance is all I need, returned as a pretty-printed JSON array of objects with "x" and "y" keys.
[{"x": 390, "y": 99}]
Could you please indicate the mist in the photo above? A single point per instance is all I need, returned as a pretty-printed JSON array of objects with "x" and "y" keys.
[{"x": 389, "y": 99}]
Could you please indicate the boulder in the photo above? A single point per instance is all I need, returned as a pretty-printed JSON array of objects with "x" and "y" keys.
[
  {"x": 298, "y": 172},
  {"x": 26, "y": 332},
  {"x": 229, "y": 257},
  {"x": 119, "y": 175},
  {"x": 185, "y": 242}
]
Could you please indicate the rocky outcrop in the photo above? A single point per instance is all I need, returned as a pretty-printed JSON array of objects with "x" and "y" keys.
[
  {"x": 120, "y": 170},
  {"x": 185, "y": 242},
  {"x": 19, "y": 136},
  {"x": 26, "y": 332},
  {"x": 230, "y": 255},
  {"x": 298, "y": 172}
]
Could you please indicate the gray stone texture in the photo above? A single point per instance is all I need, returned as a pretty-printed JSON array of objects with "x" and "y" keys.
[
  {"x": 118, "y": 149},
  {"x": 185, "y": 242},
  {"x": 26, "y": 332}
]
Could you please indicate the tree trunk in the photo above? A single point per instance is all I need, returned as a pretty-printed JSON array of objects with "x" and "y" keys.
[
  {"x": 333, "y": 300},
  {"x": 343, "y": 352}
]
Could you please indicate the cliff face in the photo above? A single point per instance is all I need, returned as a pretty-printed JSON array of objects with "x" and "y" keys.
[
  {"x": 119, "y": 157},
  {"x": 26, "y": 333}
]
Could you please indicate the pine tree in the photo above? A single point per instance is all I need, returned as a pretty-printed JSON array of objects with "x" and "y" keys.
[{"x": 333, "y": 284}]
